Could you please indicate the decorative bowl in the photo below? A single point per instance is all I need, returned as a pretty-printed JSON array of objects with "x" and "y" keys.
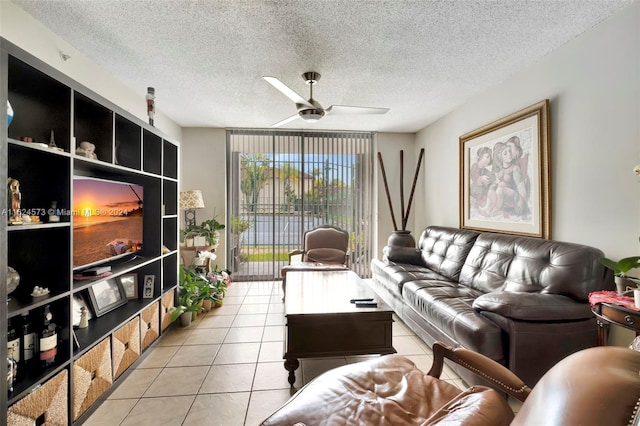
[{"x": 13, "y": 279}]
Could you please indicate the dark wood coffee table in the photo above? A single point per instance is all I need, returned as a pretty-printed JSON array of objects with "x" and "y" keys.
[{"x": 321, "y": 321}]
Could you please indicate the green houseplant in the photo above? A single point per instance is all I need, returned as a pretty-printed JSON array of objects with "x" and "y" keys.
[
  {"x": 620, "y": 269},
  {"x": 209, "y": 229},
  {"x": 192, "y": 289},
  {"x": 218, "y": 283}
]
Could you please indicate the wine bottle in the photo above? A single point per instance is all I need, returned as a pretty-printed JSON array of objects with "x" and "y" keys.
[
  {"x": 29, "y": 347},
  {"x": 48, "y": 346},
  {"x": 11, "y": 368},
  {"x": 13, "y": 347}
]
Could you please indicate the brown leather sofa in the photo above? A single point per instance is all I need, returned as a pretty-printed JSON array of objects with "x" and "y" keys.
[
  {"x": 521, "y": 301},
  {"x": 597, "y": 386}
]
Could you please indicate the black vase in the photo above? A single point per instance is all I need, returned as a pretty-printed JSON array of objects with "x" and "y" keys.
[{"x": 401, "y": 239}]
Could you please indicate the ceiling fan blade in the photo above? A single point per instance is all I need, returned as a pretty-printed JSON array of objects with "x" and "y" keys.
[
  {"x": 285, "y": 121},
  {"x": 289, "y": 93},
  {"x": 344, "y": 109}
]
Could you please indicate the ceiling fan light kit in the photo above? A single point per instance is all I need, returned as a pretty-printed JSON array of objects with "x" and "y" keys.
[
  {"x": 311, "y": 77},
  {"x": 311, "y": 115},
  {"x": 310, "y": 110}
]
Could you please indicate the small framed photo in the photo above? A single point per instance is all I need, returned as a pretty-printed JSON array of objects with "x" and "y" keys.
[
  {"x": 106, "y": 295},
  {"x": 130, "y": 284},
  {"x": 149, "y": 281}
]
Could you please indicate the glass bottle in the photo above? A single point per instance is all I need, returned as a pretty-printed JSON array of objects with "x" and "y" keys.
[
  {"x": 11, "y": 368},
  {"x": 29, "y": 346},
  {"x": 48, "y": 345},
  {"x": 13, "y": 347}
]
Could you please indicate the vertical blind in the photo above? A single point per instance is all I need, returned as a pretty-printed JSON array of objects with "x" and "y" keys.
[{"x": 282, "y": 183}]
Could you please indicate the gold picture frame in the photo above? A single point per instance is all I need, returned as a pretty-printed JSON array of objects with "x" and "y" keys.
[{"x": 504, "y": 175}]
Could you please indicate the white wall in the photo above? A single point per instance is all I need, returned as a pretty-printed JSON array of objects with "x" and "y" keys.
[
  {"x": 21, "y": 29},
  {"x": 593, "y": 84},
  {"x": 389, "y": 146},
  {"x": 203, "y": 152}
]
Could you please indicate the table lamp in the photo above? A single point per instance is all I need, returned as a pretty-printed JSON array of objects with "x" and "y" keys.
[{"x": 189, "y": 201}]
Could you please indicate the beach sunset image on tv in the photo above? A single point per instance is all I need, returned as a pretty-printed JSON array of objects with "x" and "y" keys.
[{"x": 107, "y": 220}]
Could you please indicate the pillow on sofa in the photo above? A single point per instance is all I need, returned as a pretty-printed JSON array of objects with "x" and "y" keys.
[
  {"x": 325, "y": 255},
  {"x": 401, "y": 254},
  {"x": 533, "y": 306}
]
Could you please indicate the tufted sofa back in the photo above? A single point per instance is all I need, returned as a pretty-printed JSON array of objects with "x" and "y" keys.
[
  {"x": 499, "y": 262},
  {"x": 444, "y": 250}
]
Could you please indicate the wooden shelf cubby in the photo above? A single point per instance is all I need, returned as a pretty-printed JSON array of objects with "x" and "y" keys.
[{"x": 127, "y": 150}]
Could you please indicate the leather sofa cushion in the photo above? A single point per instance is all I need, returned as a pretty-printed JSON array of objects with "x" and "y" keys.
[
  {"x": 522, "y": 264},
  {"x": 450, "y": 309},
  {"x": 393, "y": 275},
  {"x": 389, "y": 390},
  {"x": 444, "y": 250},
  {"x": 533, "y": 306}
]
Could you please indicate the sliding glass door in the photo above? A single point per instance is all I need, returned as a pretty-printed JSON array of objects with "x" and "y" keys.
[{"x": 282, "y": 183}]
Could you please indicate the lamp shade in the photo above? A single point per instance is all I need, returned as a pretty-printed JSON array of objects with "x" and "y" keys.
[{"x": 191, "y": 199}]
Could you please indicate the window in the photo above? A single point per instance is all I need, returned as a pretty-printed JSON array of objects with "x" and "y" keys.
[{"x": 282, "y": 183}]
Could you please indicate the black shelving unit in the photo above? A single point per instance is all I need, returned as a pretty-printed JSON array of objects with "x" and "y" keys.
[{"x": 126, "y": 150}]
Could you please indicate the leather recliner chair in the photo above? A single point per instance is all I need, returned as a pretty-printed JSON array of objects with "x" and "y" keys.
[{"x": 596, "y": 386}]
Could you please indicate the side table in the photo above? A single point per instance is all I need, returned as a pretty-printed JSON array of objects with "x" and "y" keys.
[{"x": 607, "y": 314}]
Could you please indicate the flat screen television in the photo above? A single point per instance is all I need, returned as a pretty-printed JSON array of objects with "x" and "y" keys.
[{"x": 107, "y": 220}]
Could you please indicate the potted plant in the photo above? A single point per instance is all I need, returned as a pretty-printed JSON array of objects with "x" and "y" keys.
[
  {"x": 620, "y": 269},
  {"x": 191, "y": 287},
  {"x": 205, "y": 234},
  {"x": 219, "y": 281}
]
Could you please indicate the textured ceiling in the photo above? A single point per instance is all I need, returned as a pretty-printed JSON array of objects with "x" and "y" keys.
[{"x": 421, "y": 59}]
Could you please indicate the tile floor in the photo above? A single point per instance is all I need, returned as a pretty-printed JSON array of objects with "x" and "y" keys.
[{"x": 226, "y": 368}]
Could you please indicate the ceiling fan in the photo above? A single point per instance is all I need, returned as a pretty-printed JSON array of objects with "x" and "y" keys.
[{"x": 310, "y": 110}]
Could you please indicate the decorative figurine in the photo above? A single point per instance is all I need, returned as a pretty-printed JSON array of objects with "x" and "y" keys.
[
  {"x": 84, "y": 317},
  {"x": 53, "y": 217},
  {"x": 15, "y": 215},
  {"x": 52, "y": 141},
  {"x": 87, "y": 149},
  {"x": 39, "y": 291},
  {"x": 151, "y": 103}
]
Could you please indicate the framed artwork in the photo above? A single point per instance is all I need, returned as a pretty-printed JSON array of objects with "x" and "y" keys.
[
  {"x": 106, "y": 295},
  {"x": 130, "y": 284},
  {"x": 149, "y": 280},
  {"x": 504, "y": 175}
]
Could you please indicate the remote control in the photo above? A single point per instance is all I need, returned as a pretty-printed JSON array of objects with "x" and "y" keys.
[
  {"x": 365, "y": 299},
  {"x": 366, "y": 304}
]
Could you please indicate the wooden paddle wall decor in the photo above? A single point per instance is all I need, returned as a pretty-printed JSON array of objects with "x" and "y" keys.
[{"x": 403, "y": 213}]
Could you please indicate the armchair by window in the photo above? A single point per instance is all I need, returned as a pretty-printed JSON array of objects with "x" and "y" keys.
[
  {"x": 324, "y": 244},
  {"x": 324, "y": 248}
]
